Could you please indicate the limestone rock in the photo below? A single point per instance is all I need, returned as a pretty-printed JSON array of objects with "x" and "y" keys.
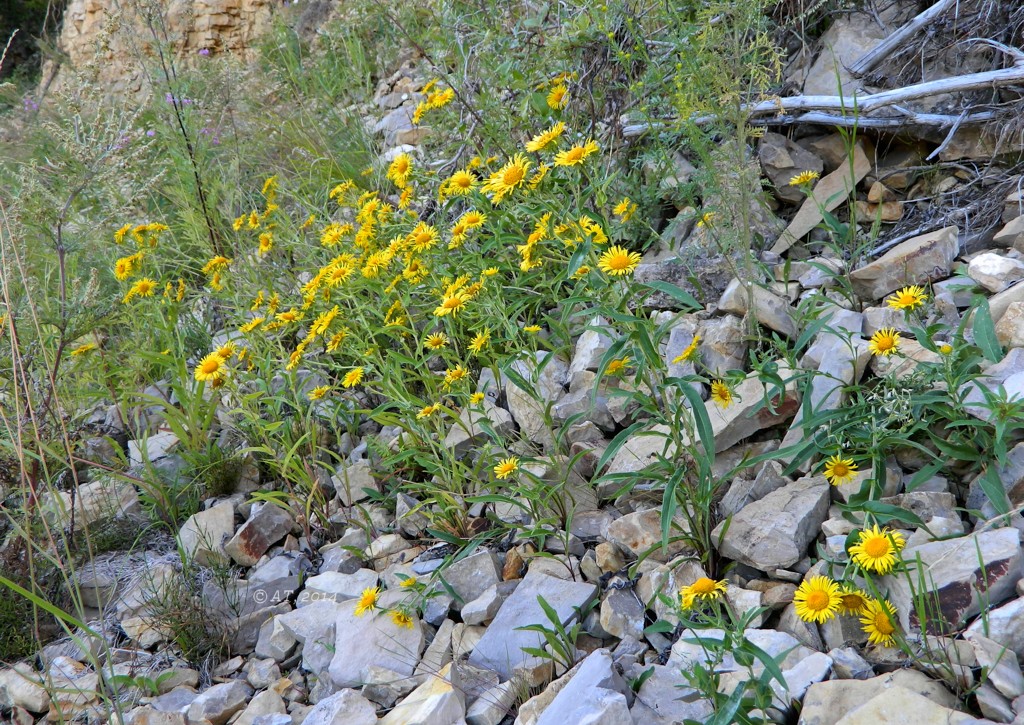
[
  {"x": 1003, "y": 624},
  {"x": 916, "y": 261},
  {"x": 438, "y": 700},
  {"x": 897, "y": 706},
  {"x": 204, "y": 534},
  {"x": 723, "y": 344},
  {"x": 311, "y": 626},
  {"x": 825, "y": 703},
  {"x": 1010, "y": 328},
  {"x": 845, "y": 42},
  {"x": 345, "y": 707},
  {"x": 263, "y": 529},
  {"x": 337, "y": 587},
  {"x": 995, "y": 272},
  {"x": 468, "y": 432},
  {"x": 493, "y": 705},
  {"x": 220, "y": 702},
  {"x": 776, "y": 531},
  {"x": 1000, "y": 663},
  {"x": 472, "y": 576},
  {"x": 19, "y": 687},
  {"x": 666, "y": 698},
  {"x": 622, "y": 614},
  {"x": 783, "y": 159},
  {"x": 372, "y": 639},
  {"x": 350, "y": 479},
  {"x": 770, "y": 309}
]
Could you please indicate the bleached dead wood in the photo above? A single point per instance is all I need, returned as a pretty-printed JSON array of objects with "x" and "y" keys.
[{"x": 884, "y": 49}]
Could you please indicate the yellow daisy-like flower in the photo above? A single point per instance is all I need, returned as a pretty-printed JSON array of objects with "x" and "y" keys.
[
  {"x": 543, "y": 140},
  {"x": 625, "y": 209},
  {"x": 227, "y": 350},
  {"x": 480, "y": 341},
  {"x": 427, "y": 411},
  {"x": 451, "y": 304},
  {"x": 211, "y": 368},
  {"x": 558, "y": 97},
  {"x": 618, "y": 261},
  {"x": 119, "y": 234},
  {"x": 323, "y": 321},
  {"x": 507, "y": 179},
  {"x": 852, "y": 601},
  {"x": 145, "y": 287},
  {"x": 352, "y": 378},
  {"x": 436, "y": 341},
  {"x": 538, "y": 176},
  {"x": 319, "y": 392},
  {"x": 83, "y": 349},
  {"x": 877, "y": 549},
  {"x": 401, "y": 618},
  {"x": 476, "y": 398},
  {"x": 577, "y": 154},
  {"x": 506, "y": 467},
  {"x": 907, "y": 298},
  {"x": 532, "y": 329},
  {"x": 884, "y": 342},
  {"x": 704, "y": 589},
  {"x": 839, "y": 470},
  {"x": 251, "y": 324},
  {"x": 617, "y": 366},
  {"x": 367, "y": 601},
  {"x": 266, "y": 243},
  {"x": 489, "y": 272},
  {"x": 945, "y": 348},
  {"x": 582, "y": 272},
  {"x": 336, "y": 340},
  {"x": 292, "y": 315},
  {"x": 803, "y": 178},
  {"x": 877, "y": 618},
  {"x": 334, "y": 233},
  {"x": 408, "y": 582},
  {"x": 423, "y": 237},
  {"x": 706, "y": 219},
  {"x": 721, "y": 394},
  {"x": 399, "y": 170},
  {"x": 689, "y": 353},
  {"x": 817, "y": 599},
  {"x": 216, "y": 264},
  {"x": 454, "y": 375},
  {"x": 460, "y": 183}
]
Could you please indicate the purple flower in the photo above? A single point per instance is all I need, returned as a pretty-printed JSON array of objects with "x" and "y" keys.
[
  {"x": 151, "y": 133},
  {"x": 204, "y": 51}
]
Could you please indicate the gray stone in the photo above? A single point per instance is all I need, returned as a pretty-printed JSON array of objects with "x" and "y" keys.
[
  {"x": 776, "y": 531},
  {"x": 622, "y": 614},
  {"x": 385, "y": 687},
  {"x": 665, "y": 698},
  {"x": 723, "y": 344},
  {"x": 350, "y": 479},
  {"x": 20, "y": 687},
  {"x": 263, "y": 703},
  {"x": 590, "y": 347},
  {"x": 783, "y": 159},
  {"x": 262, "y": 673},
  {"x": 1000, "y": 663},
  {"x": 203, "y": 536},
  {"x": 583, "y": 699},
  {"x": 847, "y": 664},
  {"x": 770, "y": 309},
  {"x": 345, "y": 707},
  {"x": 264, "y": 528},
  {"x": 640, "y": 534},
  {"x": 995, "y": 272},
  {"x": 311, "y": 626},
  {"x": 902, "y": 707},
  {"x": 469, "y": 431},
  {"x": 546, "y": 376},
  {"x": 493, "y": 705},
  {"x": 825, "y": 703},
  {"x": 372, "y": 639},
  {"x": 438, "y": 700},
  {"x": 336, "y": 587},
  {"x": 919, "y": 260},
  {"x": 439, "y": 651},
  {"x": 470, "y": 577},
  {"x": 500, "y": 648},
  {"x": 409, "y": 516},
  {"x": 220, "y": 702},
  {"x": 486, "y": 606},
  {"x": 275, "y": 641},
  {"x": 744, "y": 491},
  {"x": 1011, "y": 476},
  {"x": 994, "y": 707},
  {"x": 1003, "y": 624}
]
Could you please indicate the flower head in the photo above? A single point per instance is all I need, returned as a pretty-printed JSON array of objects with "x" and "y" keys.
[
  {"x": 545, "y": 139},
  {"x": 506, "y": 467},
  {"x": 454, "y": 375},
  {"x": 803, "y": 178},
  {"x": 817, "y": 599},
  {"x": 428, "y": 410},
  {"x": 83, "y": 349},
  {"x": 852, "y": 601},
  {"x": 618, "y": 261},
  {"x": 399, "y": 170},
  {"x": 476, "y": 398},
  {"x": 319, "y": 392},
  {"x": 839, "y": 470},
  {"x": 352, "y": 378},
  {"x": 877, "y": 619},
  {"x": 507, "y": 179},
  {"x": 945, "y": 348},
  {"x": 558, "y": 97},
  {"x": 721, "y": 394},
  {"x": 877, "y": 549},
  {"x": 480, "y": 341},
  {"x": 145, "y": 287},
  {"x": 577, "y": 154},
  {"x": 436, "y": 340},
  {"x": 625, "y": 209},
  {"x": 617, "y": 366},
  {"x": 689, "y": 353},
  {"x": 884, "y": 342},
  {"x": 367, "y": 601},
  {"x": 451, "y": 304},
  {"x": 907, "y": 298},
  {"x": 460, "y": 183},
  {"x": 211, "y": 368},
  {"x": 401, "y": 618},
  {"x": 704, "y": 589}
]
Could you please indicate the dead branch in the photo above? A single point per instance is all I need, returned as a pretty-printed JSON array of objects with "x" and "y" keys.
[{"x": 884, "y": 49}]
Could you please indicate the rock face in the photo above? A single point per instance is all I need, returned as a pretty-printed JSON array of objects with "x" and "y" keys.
[
  {"x": 919, "y": 260},
  {"x": 372, "y": 640},
  {"x": 217, "y": 26}
]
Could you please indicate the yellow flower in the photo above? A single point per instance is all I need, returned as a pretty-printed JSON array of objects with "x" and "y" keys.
[
  {"x": 352, "y": 378},
  {"x": 817, "y": 599},
  {"x": 884, "y": 342},
  {"x": 538, "y": 176},
  {"x": 254, "y": 220},
  {"x": 618, "y": 261},
  {"x": 625, "y": 209},
  {"x": 251, "y": 324},
  {"x": 83, "y": 349},
  {"x": 582, "y": 272},
  {"x": 367, "y": 601},
  {"x": 721, "y": 394},
  {"x": 145, "y": 287},
  {"x": 399, "y": 170},
  {"x": 852, "y": 601},
  {"x": 436, "y": 341},
  {"x": 423, "y": 237},
  {"x": 473, "y": 219},
  {"x": 460, "y": 183},
  {"x": 309, "y": 222},
  {"x": 877, "y": 549},
  {"x": 341, "y": 189},
  {"x": 291, "y": 315},
  {"x": 877, "y": 619},
  {"x": 226, "y": 351},
  {"x": 945, "y": 348},
  {"x": 217, "y": 264},
  {"x": 212, "y": 368},
  {"x": 480, "y": 341},
  {"x": 119, "y": 234},
  {"x": 428, "y": 410},
  {"x": 506, "y": 467},
  {"x": 407, "y": 582},
  {"x": 266, "y": 243},
  {"x": 705, "y": 589},
  {"x": 689, "y": 352},
  {"x": 336, "y": 340},
  {"x": 576, "y": 155},
  {"x": 907, "y": 298},
  {"x": 476, "y": 398},
  {"x": 401, "y": 618},
  {"x": 558, "y": 97},
  {"x": 532, "y": 329},
  {"x": 545, "y": 139},
  {"x": 454, "y": 375},
  {"x": 451, "y": 304},
  {"x": 839, "y": 470},
  {"x": 507, "y": 179},
  {"x": 333, "y": 233},
  {"x": 319, "y": 392},
  {"x": 706, "y": 219},
  {"x": 803, "y": 178},
  {"x": 617, "y": 366},
  {"x": 323, "y": 321},
  {"x": 489, "y": 272}
]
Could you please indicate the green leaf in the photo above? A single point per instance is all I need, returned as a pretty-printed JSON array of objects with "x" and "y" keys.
[
  {"x": 700, "y": 415},
  {"x": 985, "y": 333},
  {"x": 992, "y": 486},
  {"x": 885, "y": 512},
  {"x": 677, "y": 293},
  {"x": 766, "y": 659},
  {"x": 726, "y": 713}
]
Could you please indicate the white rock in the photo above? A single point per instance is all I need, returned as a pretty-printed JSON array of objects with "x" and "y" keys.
[
  {"x": 372, "y": 639},
  {"x": 438, "y": 700},
  {"x": 995, "y": 272},
  {"x": 204, "y": 534},
  {"x": 346, "y": 707}
]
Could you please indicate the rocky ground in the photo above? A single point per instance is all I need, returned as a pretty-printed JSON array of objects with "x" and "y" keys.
[{"x": 302, "y": 650}]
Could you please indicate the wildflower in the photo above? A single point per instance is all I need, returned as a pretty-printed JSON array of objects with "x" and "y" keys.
[
  {"x": 367, "y": 601},
  {"x": 254, "y": 220},
  {"x": 145, "y": 287},
  {"x": 480, "y": 341},
  {"x": 538, "y": 176},
  {"x": 721, "y": 394},
  {"x": 454, "y": 375},
  {"x": 423, "y": 237},
  {"x": 884, "y": 342},
  {"x": 625, "y": 209},
  {"x": 266, "y": 243},
  {"x": 83, "y": 349},
  {"x": 582, "y": 272},
  {"x": 907, "y": 298},
  {"x": 125, "y": 266},
  {"x": 558, "y": 97},
  {"x": 473, "y": 219},
  {"x": 291, "y": 315},
  {"x": 333, "y": 233},
  {"x": 319, "y": 392},
  {"x": 532, "y": 329},
  {"x": 595, "y": 231},
  {"x": 323, "y": 321},
  {"x": 408, "y": 582},
  {"x": 309, "y": 222},
  {"x": 119, "y": 234},
  {"x": 212, "y": 368},
  {"x": 506, "y": 467},
  {"x": 839, "y": 470},
  {"x": 399, "y": 170},
  {"x": 336, "y": 340},
  {"x": 226, "y": 351},
  {"x": 489, "y": 272},
  {"x": 352, "y": 378},
  {"x": 251, "y": 324},
  {"x": 216, "y": 264},
  {"x": 577, "y": 154},
  {"x": 945, "y": 348},
  {"x": 705, "y": 589},
  {"x": 817, "y": 599},
  {"x": 451, "y": 304},
  {"x": 436, "y": 341},
  {"x": 706, "y": 219},
  {"x": 460, "y": 183},
  {"x": 689, "y": 353},
  {"x": 339, "y": 191},
  {"x": 617, "y": 366},
  {"x": 545, "y": 139},
  {"x": 507, "y": 179},
  {"x": 428, "y": 410},
  {"x": 803, "y": 178},
  {"x": 476, "y": 398},
  {"x": 618, "y": 261},
  {"x": 877, "y": 549},
  {"x": 877, "y": 621},
  {"x": 852, "y": 601},
  {"x": 401, "y": 618},
  {"x": 180, "y": 294}
]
